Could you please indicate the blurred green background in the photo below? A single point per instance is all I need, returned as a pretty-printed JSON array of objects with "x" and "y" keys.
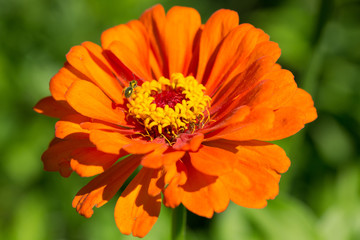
[{"x": 320, "y": 194}]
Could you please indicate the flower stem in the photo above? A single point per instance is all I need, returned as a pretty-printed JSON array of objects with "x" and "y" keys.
[{"x": 178, "y": 223}]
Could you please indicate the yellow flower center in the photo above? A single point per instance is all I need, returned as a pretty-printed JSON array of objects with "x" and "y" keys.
[{"x": 169, "y": 107}]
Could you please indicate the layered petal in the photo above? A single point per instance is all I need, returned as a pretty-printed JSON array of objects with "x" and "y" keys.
[
  {"x": 97, "y": 104},
  {"x": 257, "y": 122},
  {"x": 238, "y": 45},
  {"x": 126, "y": 130},
  {"x": 52, "y": 108},
  {"x": 102, "y": 188},
  {"x": 303, "y": 102},
  {"x": 291, "y": 117},
  {"x": 214, "y": 31},
  {"x": 113, "y": 142},
  {"x": 90, "y": 61},
  {"x": 154, "y": 22},
  {"x": 181, "y": 26},
  {"x": 212, "y": 161},
  {"x": 249, "y": 186},
  {"x": 284, "y": 88},
  {"x": 262, "y": 154},
  {"x": 203, "y": 194},
  {"x": 61, "y": 81},
  {"x": 256, "y": 172},
  {"x": 287, "y": 122},
  {"x": 188, "y": 142},
  {"x": 70, "y": 124},
  {"x": 57, "y": 157},
  {"x": 130, "y": 45},
  {"x": 136, "y": 211},
  {"x": 108, "y": 142},
  {"x": 176, "y": 175},
  {"x": 160, "y": 157},
  {"x": 239, "y": 85},
  {"x": 88, "y": 162}
]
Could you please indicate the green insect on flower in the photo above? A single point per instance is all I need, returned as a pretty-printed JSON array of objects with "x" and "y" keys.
[{"x": 130, "y": 89}]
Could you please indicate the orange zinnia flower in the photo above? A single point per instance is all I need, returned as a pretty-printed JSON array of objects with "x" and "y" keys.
[{"x": 192, "y": 104}]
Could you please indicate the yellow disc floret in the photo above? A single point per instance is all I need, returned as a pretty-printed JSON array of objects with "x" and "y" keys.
[{"x": 168, "y": 107}]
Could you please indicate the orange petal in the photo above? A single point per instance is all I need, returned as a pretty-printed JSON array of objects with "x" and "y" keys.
[
  {"x": 136, "y": 211},
  {"x": 170, "y": 157},
  {"x": 231, "y": 48},
  {"x": 238, "y": 86},
  {"x": 130, "y": 44},
  {"x": 175, "y": 171},
  {"x": 62, "y": 80},
  {"x": 260, "y": 95},
  {"x": 154, "y": 22},
  {"x": 304, "y": 103},
  {"x": 103, "y": 187},
  {"x": 113, "y": 142},
  {"x": 173, "y": 195},
  {"x": 256, "y": 174},
  {"x": 242, "y": 191},
  {"x": 132, "y": 33},
  {"x": 156, "y": 184},
  {"x": 263, "y": 154},
  {"x": 227, "y": 114},
  {"x": 266, "y": 154},
  {"x": 155, "y": 67},
  {"x": 66, "y": 128},
  {"x": 52, "y": 108},
  {"x": 88, "y": 162},
  {"x": 215, "y": 29},
  {"x": 203, "y": 194},
  {"x": 89, "y": 60},
  {"x": 103, "y": 74},
  {"x": 57, "y": 156},
  {"x": 98, "y": 126},
  {"x": 250, "y": 185},
  {"x": 218, "y": 196},
  {"x": 153, "y": 159},
  {"x": 142, "y": 147},
  {"x": 109, "y": 142},
  {"x": 74, "y": 58},
  {"x": 182, "y": 25},
  {"x": 160, "y": 157},
  {"x": 253, "y": 126},
  {"x": 239, "y": 115},
  {"x": 90, "y": 101},
  {"x": 188, "y": 142},
  {"x": 265, "y": 48},
  {"x": 212, "y": 161},
  {"x": 284, "y": 88},
  {"x": 131, "y": 58},
  {"x": 175, "y": 176},
  {"x": 287, "y": 122},
  {"x": 107, "y": 126}
]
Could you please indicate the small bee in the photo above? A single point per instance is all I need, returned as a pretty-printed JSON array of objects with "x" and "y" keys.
[{"x": 130, "y": 89}]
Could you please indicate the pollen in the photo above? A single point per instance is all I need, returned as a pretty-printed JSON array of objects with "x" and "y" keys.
[{"x": 166, "y": 108}]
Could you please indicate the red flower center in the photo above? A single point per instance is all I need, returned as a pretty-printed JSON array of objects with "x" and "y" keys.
[{"x": 168, "y": 97}]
